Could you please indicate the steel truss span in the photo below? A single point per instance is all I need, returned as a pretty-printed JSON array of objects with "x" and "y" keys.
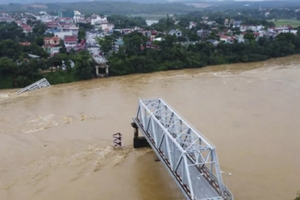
[
  {"x": 190, "y": 158},
  {"x": 34, "y": 86}
]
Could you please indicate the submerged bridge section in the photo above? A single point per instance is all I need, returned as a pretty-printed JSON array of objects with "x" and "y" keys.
[
  {"x": 187, "y": 155},
  {"x": 34, "y": 86}
]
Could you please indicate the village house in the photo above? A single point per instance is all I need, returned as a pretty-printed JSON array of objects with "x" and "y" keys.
[
  {"x": 51, "y": 41},
  {"x": 63, "y": 34},
  {"x": 149, "y": 45},
  {"x": 70, "y": 41},
  {"x": 25, "y": 43},
  {"x": 127, "y": 30},
  {"x": 78, "y": 17},
  {"x": 226, "y": 22},
  {"x": 83, "y": 21},
  {"x": 240, "y": 38},
  {"x": 107, "y": 26},
  {"x": 244, "y": 28},
  {"x": 61, "y": 28},
  {"x": 147, "y": 33},
  {"x": 96, "y": 19},
  {"x": 203, "y": 33},
  {"x": 52, "y": 24},
  {"x": 235, "y": 23},
  {"x": 52, "y": 50},
  {"x": 52, "y": 31},
  {"x": 225, "y": 38},
  {"x": 192, "y": 25},
  {"x": 176, "y": 32},
  {"x": 80, "y": 46},
  {"x": 119, "y": 42},
  {"x": 66, "y": 20},
  {"x": 69, "y": 27},
  {"x": 211, "y": 23},
  {"x": 6, "y": 19},
  {"x": 26, "y": 28},
  {"x": 214, "y": 42},
  {"x": 44, "y": 17}
]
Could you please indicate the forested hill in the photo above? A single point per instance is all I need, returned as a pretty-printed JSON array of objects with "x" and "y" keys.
[
  {"x": 72, "y": 1},
  {"x": 121, "y": 8},
  {"x": 124, "y": 7}
]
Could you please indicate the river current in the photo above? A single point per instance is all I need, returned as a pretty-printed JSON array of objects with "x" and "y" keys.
[{"x": 55, "y": 143}]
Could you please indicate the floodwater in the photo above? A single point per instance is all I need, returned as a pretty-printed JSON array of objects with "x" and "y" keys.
[{"x": 55, "y": 143}]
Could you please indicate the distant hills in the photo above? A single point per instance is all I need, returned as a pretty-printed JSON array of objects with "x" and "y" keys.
[
  {"x": 138, "y": 1},
  {"x": 70, "y": 1},
  {"x": 141, "y": 1},
  {"x": 130, "y": 7}
]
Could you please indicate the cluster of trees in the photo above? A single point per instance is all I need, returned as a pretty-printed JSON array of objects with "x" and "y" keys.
[
  {"x": 132, "y": 58},
  {"x": 22, "y": 72},
  {"x": 123, "y": 8},
  {"x": 83, "y": 69},
  {"x": 135, "y": 57},
  {"x": 256, "y": 18},
  {"x": 18, "y": 68},
  {"x": 126, "y": 22}
]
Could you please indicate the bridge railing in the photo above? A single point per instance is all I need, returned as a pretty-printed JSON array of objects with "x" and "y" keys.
[
  {"x": 36, "y": 85},
  {"x": 187, "y": 154}
]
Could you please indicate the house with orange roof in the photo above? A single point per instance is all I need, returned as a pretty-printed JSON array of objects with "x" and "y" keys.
[{"x": 51, "y": 41}]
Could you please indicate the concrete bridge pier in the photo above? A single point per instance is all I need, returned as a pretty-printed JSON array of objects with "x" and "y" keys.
[{"x": 138, "y": 141}]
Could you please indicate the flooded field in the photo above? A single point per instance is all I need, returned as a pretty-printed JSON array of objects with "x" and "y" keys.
[{"x": 55, "y": 143}]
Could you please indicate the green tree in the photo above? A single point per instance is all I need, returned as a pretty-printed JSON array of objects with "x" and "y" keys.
[
  {"x": 249, "y": 36},
  {"x": 84, "y": 65},
  {"x": 39, "y": 28},
  {"x": 7, "y": 66},
  {"x": 134, "y": 42},
  {"x": 106, "y": 43},
  {"x": 39, "y": 41},
  {"x": 81, "y": 34}
]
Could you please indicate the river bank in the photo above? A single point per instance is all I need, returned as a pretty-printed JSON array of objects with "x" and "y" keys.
[
  {"x": 236, "y": 67},
  {"x": 55, "y": 143}
]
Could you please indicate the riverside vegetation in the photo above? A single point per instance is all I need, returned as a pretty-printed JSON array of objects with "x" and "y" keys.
[{"x": 17, "y": 69}]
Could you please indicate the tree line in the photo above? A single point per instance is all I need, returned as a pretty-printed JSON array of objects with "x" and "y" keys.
[{"x": 134, "y": 57}]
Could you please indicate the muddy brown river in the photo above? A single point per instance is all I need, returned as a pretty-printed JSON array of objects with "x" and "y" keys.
[{"x": 55, "y": 143}]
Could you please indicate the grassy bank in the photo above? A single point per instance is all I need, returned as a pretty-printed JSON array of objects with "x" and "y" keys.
[{"x": 281, "y": 22}]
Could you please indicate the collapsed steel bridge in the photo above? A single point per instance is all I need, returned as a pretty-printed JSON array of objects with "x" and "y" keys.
[{"x": 189, "y": 157}]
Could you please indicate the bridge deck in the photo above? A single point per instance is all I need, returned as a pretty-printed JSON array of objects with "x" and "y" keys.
[{"x": 188, "y": 156}]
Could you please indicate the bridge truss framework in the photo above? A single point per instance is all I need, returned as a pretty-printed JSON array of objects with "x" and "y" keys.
[
  {"x": 34, "y": 86},
  {"x": 190, "y": 158}
]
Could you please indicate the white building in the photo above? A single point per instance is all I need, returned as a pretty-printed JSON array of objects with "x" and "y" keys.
[
  {"x": 78, "y": 16},
  {"x": 107, "y": 26},
  {"x": 62, "y": 34},
  {"x": 288, "y": 31},
  {"x": 96, "y": 19}
]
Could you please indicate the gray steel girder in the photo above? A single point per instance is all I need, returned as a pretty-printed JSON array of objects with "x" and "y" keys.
[{"x": 190, "y": 158}]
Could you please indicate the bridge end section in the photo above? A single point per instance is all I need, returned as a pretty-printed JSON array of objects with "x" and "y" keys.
[{"x": 188, "y": 156}]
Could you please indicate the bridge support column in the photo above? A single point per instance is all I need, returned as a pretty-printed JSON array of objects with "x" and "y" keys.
[{"x": 138, "y": 142}]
